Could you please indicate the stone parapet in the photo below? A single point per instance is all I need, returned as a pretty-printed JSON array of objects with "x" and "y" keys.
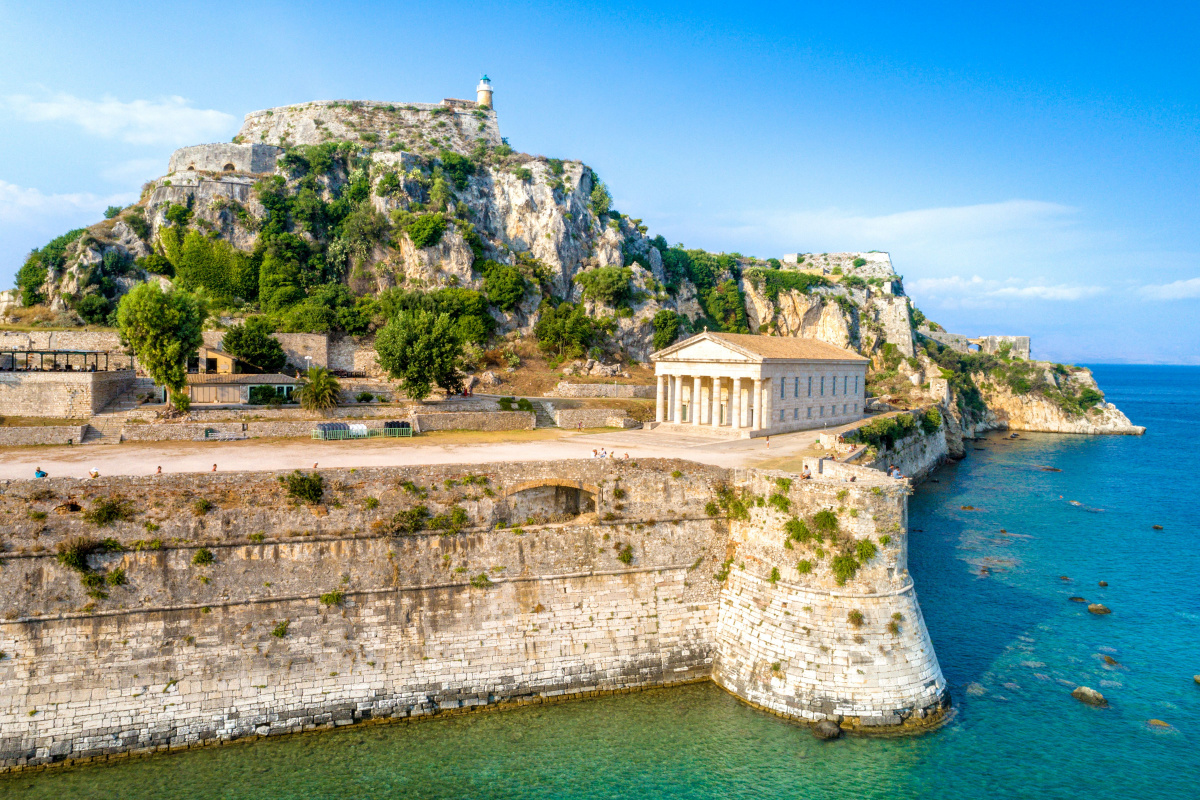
[
  {"x": 18, "y": 436},
  {"x": 593, "y": 418},
  {"x": 475, "y": 421},
  {"x": 616, "y": 390}
]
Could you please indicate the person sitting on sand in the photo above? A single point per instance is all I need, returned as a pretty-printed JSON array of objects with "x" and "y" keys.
[
  {"x": 40, "y": 473},
  {"x": 93, "y": 473},
  {"x": 159, "y": 471}
]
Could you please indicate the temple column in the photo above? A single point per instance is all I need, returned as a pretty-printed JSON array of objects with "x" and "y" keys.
[
  {"x": 694, "y": 407},
  {"x": 768, "y": 411},
  {"x": 758, "y": 405},
  {"x": 660, "y": 413},
  {"x": 678, "y": 406},
  {"x": 716, "y": 402},
  {"x": 735, "y": 404}
]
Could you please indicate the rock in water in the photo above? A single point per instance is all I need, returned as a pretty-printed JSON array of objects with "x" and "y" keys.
[
  {"x": 827, "y": 729},
  {"x": 1158, "y": 527},
  {"x": 1112, "y": 662},
  {"x": 1090, "y": 696},
  {"x": 1196, "y": 678},
  {"x": 1103, "y": 583},
  {"x": 1077, "y": 599},
  {"x": 1098, "y": 608}
]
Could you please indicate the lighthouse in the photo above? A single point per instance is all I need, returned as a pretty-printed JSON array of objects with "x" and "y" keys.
[{"x": 483, "y": 92}]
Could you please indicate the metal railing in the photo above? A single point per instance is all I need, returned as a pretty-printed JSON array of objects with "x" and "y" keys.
[{"x": 369, "y": 433}]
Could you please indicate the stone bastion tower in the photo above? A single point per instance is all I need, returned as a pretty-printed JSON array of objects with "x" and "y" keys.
[{"x": 483, "y": 92}]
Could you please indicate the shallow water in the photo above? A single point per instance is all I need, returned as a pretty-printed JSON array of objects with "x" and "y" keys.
[{"x": 1011, "y": 644}]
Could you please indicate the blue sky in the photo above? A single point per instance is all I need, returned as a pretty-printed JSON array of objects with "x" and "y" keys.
[{"x": 1031, "y": 169}]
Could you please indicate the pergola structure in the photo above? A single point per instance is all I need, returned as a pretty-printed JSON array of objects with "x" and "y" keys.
[
  {"x": 748, "y": 385},
  {"x": 64, "y": 361}
]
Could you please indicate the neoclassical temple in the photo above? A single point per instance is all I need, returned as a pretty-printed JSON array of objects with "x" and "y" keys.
[{"x": 748, "y": 385}]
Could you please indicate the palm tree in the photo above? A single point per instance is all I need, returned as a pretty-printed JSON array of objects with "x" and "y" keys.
[{"x": 320, "y": 390}]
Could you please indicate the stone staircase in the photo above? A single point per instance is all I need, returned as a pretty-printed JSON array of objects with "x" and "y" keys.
[
  {"x": 544, "y": 415},
  {"x": 105, "y": 427}
]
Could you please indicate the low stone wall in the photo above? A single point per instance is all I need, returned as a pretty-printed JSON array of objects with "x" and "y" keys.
[
  {"x": 617, "y": 390},
  {"x": 176, "y": 431},
  {"x": 475, "y": 421},
  {"x": 593, "y": 418},
  {"x": 19, "y": 436},
  {"x": 65, "y": 395}
]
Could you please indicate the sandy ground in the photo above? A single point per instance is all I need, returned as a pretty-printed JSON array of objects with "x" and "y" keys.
[{"x": 450, "y": 447}]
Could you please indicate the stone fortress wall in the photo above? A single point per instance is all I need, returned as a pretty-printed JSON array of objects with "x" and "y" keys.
[
  {"x": 225, "y": 157},
  {"x": 317, "y": 122},
  {"x": 567, "y": 578},
  {"x": 1019, "y": 346}
]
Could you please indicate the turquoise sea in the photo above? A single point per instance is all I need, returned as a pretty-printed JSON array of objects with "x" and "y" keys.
[{"x": 1011, "y": 643}]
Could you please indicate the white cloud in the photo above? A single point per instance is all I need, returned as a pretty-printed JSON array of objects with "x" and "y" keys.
[
  {"x": 1176, "y": 290},
  {"x": 167, "y": 121},
  {"x": 20, "y": 206},
  {"x": 958, "y": 291},
  {"x": 136, "y": 170}
]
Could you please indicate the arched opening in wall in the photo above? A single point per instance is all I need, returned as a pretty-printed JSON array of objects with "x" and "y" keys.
[
  {"x": 543, "y": 502},
  {"x": 973, "y": 348},
  {"x": 229, "y": 168},
  {"x": 191, "y": 168}
]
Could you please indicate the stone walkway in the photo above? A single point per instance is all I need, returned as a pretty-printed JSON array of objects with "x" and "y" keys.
[{"x": 134, "y": 458}]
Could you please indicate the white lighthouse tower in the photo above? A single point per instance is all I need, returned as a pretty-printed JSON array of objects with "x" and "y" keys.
[{"x": 483, "y": 92}]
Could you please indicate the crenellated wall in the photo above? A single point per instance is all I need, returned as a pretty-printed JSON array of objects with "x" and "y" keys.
[{"x": 220, "y": 607}]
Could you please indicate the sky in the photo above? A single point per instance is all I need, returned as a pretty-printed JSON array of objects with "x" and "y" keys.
[{"x": 1031, "y": 169}]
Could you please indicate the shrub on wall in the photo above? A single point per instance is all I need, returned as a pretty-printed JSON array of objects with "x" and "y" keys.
[{"x": 307, "y": 488}]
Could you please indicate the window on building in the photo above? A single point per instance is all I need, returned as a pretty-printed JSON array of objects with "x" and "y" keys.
[
  {"x": 810, "y": 412},
  {"x": 833, "y": 389},
  {"x": 782, "y": 388},
  {"x": 796, "y": 387},
  {"x": 781, "y": 413},
  {"x": 845, "y": 382},
  {"x": 822, "y": 411},
  {"x": 810, "y": 385},
  {"x": 796, "y": 412},
  {"x": 856, "y": 384},
  {"x": 822, "y": 386}
]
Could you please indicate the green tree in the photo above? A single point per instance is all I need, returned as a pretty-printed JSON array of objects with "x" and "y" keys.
[
  {"x": 565, "y": 328},
  {"x": 610, "y": 285},
  {"x": 601, "y": 199},
  {"x": 504, "y": 284},
  {"x": 426, "y": 230},
  {"x": 252, "y": 341},
  {"x": 666, "y": 328},
  {"x": 164, "y": 331},
  {"x": 439, "y": 195},
  {"x": 111, "y": 211},
  {"x": 320, "y": 390},
  {"x": 421, "y": 349}
]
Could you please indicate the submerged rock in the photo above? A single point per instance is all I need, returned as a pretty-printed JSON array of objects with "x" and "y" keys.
[
  {"x": 827, "y": 729},
  {"x": 1112, "y": 662},
  {"x": 1099, "y": 608},
  {"x": 1158, "y": 527},
  {"x": 1158, "y": 723},
  {"x": 1077, "y": 599},
  {"x": 1090, "y": 696}
]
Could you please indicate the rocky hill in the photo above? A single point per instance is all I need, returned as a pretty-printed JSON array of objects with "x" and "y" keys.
[{"x": 331, "y": 216}]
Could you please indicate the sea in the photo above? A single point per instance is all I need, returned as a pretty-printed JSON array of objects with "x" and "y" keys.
[{"x": 1000, "y": 544}]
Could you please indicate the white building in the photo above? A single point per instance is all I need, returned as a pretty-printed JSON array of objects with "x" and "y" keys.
[{"x": 752, "y": 385}]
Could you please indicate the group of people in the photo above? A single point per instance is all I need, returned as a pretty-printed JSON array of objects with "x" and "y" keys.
[
  {"x": 894, "y": 472},
  {"x": 602, "y": 453}
]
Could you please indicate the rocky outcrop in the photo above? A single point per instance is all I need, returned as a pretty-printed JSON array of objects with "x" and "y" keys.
[{"x": 1039, "y": 412}]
